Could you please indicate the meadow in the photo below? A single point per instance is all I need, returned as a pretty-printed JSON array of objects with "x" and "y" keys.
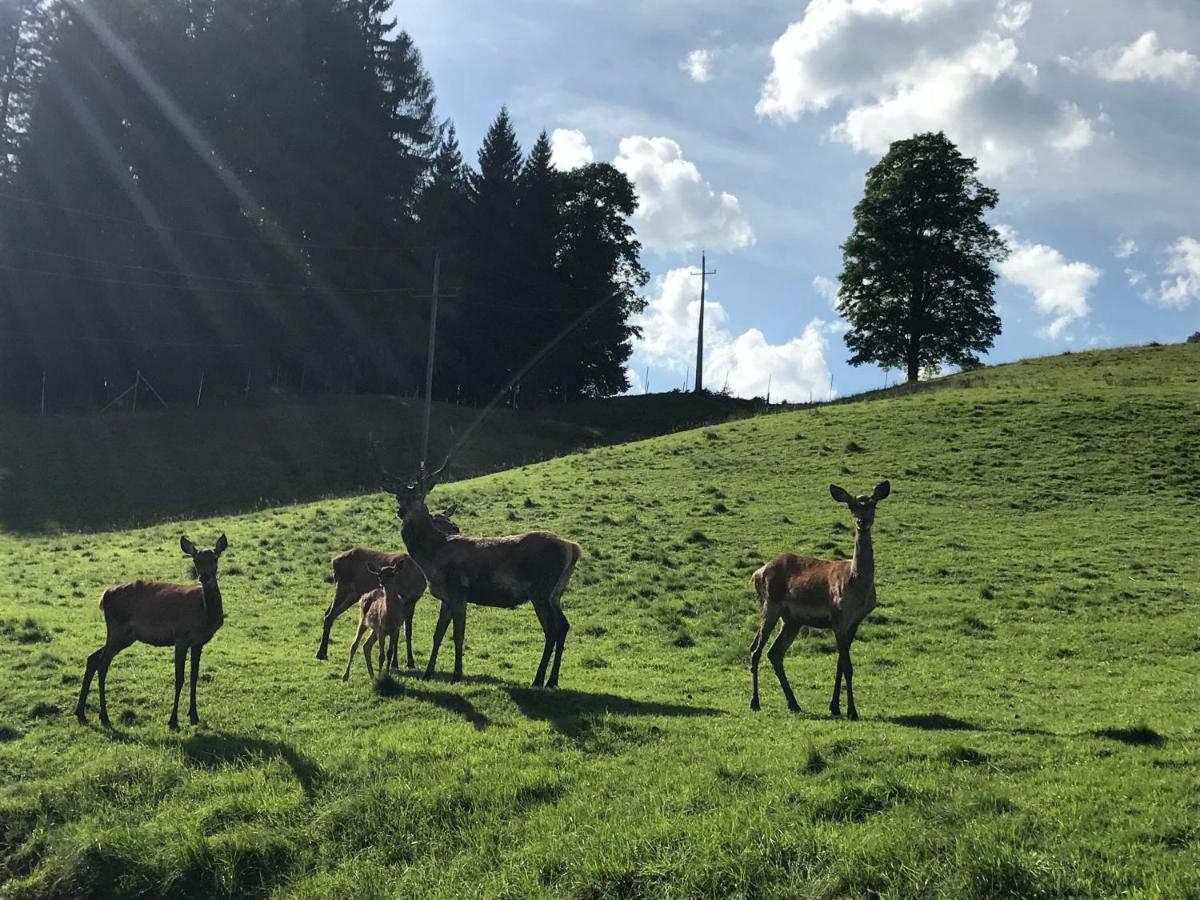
[{"x": 1028, "y": 685}]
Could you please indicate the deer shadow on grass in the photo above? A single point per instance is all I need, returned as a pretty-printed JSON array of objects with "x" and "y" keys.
[
  {"x": 573, "y": 713},
  {"x": 389, "y": 687},
  {"x": 214, "y": 749}
]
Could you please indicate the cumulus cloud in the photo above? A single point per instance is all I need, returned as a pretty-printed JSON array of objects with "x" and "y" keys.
[
  {"x": 746, "y": 363},
  {"x": 1143, "y": 60},
  {"x": 903, "y": 66},
  {"x": 698, "y": 65},
  {"x": 827, "y": 288},
  {"x": 569, "y": 149},
  {"x": 1125, "y": 248},
  {"x": 677, "y": 208},
  {"x": 1059, "y": 288},
  {"x": 1183, "y": 262}
]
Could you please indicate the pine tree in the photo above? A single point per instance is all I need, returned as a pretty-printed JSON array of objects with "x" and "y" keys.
[{"x": 917, "y": 282}]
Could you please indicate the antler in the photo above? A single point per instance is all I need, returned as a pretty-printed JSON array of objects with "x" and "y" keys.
[{"x": 389, "y": 481}]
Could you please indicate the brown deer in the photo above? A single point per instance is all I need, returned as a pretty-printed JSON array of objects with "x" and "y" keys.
[
  {"x": 183, "y": 616},
  {"x": 819, "y": 593},
  {"x": 381, "y": 611},
  {"x": 501, "y": 572},
  {"x": 352, "y": 578}
]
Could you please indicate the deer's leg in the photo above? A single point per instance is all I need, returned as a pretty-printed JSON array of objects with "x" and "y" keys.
[
  {"x": 112, "y": 647},
  {"x": 549, "y": 623},
  {"x": 93, "y": 663},
  {"x": 343, "y": 599},
  {"x": 439, "y": 632},
  {"x": 835, "y": 705},
  {"x": 846, "y": 667},
  {"x": 393, "y": 639},
  {"x": 770, "y": 615},
  {"x": 367, "y": 653},
  {"x": 193, "y": 716},
  {"x": 362, "y": 627},
  {"x": 787, "y": 634},
  {"x": 563, "y": 627},
  {"x": 180, "y": 660},
  {"x": 460, "y": 633},
  {"x": 408, "y": 620}
]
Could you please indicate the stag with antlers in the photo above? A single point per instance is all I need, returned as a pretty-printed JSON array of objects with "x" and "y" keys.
[
  {"x": 182, "y": 616},
  {"x": 500, "y": 572},
  {"x": 819, "y": 593}
]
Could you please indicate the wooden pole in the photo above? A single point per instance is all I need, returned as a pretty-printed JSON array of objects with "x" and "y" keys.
[
  {"x": 704, "y": 273},
  {"x": 433, "y": 311}
]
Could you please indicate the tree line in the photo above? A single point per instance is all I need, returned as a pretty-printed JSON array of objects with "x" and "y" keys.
[{"x": 257, "y": 190}]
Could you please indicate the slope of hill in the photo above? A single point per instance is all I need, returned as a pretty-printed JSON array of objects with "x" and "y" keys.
[
  {"x": 1027, "y": 684},
  {"x": 122, "y": 470}
]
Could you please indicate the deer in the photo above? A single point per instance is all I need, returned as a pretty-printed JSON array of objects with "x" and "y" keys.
[
  {"x": 183, "y": 616},
  {"x": 381, "y": 611},
  {"x": 819, "y": 593},
  {"x": 352, "y": 578},
  {"x": 502, "y": 572}
]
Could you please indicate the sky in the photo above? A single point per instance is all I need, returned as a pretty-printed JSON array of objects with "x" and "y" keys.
[{"x": 747, "y": 129}]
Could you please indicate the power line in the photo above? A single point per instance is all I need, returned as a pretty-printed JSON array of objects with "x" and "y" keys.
[{"x": 212, "y": 235}]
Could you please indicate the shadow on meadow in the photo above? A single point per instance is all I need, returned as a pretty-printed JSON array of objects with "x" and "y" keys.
[
  {"x": 573, "y": 713},
  {"x": 450, "y": 701},
  {"x": 213, "y": 749}
]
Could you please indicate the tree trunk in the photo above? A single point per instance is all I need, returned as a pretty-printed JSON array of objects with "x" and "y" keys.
[{"x": 913, "y": 359}]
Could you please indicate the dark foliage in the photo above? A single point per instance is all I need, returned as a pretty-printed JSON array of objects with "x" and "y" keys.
[
  {"x": 256, "y": 190},
  {"x": 917, "y": 281}
]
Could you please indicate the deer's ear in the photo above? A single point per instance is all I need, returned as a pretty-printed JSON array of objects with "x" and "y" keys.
[
  {"x": 188, "y": 548},
  {"x": 221, "y": 545},
  {"x": 882, "y": 489},
  {"x": 450, "y": 510},
  {"x": 839, "y": 494}
]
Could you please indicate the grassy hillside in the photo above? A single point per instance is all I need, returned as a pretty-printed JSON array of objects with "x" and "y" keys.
[
  {"x": 122, "y": 470},
  {"x": 1028, "y": 684}
]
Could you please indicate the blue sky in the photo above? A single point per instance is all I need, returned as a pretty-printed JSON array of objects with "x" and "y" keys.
[{"x": 747, "y": 129}]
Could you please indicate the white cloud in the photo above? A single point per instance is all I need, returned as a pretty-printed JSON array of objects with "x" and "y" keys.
[
  {"x": 1060, "y": 288},
  {"x": 698, "y": 65},
  {"x": 904, "y": 66},
  {"x": 1184, "y": 263},
  {"x": 635, "y": 381},
  {"x": 677, "y": 208},
  {"x": 1143, "y": 60},
  {"x": 1125, "y": 248},
  {"x": 746, "y": 363},
  {"x": 569, "y": 149},
  {"x": 1135, "y": 276},
  {"x": 827, "y": 288}
]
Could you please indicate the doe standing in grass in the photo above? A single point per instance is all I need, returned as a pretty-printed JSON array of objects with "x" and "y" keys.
[
  {"x": 819, "y": 593},
  {"x": 352, "y": 578},
  {"x": 184, "y": 616}
]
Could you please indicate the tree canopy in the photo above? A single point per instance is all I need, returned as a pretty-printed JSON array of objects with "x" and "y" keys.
[
  {"x": 256, "y": 190},
  {"x": 917, "y": 281}
]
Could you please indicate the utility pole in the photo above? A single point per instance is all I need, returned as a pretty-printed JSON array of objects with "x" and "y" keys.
[
  {"x": 704, "y": 273},
  {"x": 433, "y": 311}
]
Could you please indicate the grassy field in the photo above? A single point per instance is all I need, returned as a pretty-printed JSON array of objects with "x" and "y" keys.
[
  {"x": 122, "y": 470},
  {"x": 1028, "y": 685}
]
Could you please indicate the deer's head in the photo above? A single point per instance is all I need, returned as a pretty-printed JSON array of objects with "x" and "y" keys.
[
  {"x": 385, "y": 574},
  {"x": 410, "y": 496},
  {"x": 862, "y": 507},
  {"x": 205, "y": 561}
]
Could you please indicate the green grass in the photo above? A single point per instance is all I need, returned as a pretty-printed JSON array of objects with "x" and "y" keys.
[{"x": 1028, "y": 684}]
